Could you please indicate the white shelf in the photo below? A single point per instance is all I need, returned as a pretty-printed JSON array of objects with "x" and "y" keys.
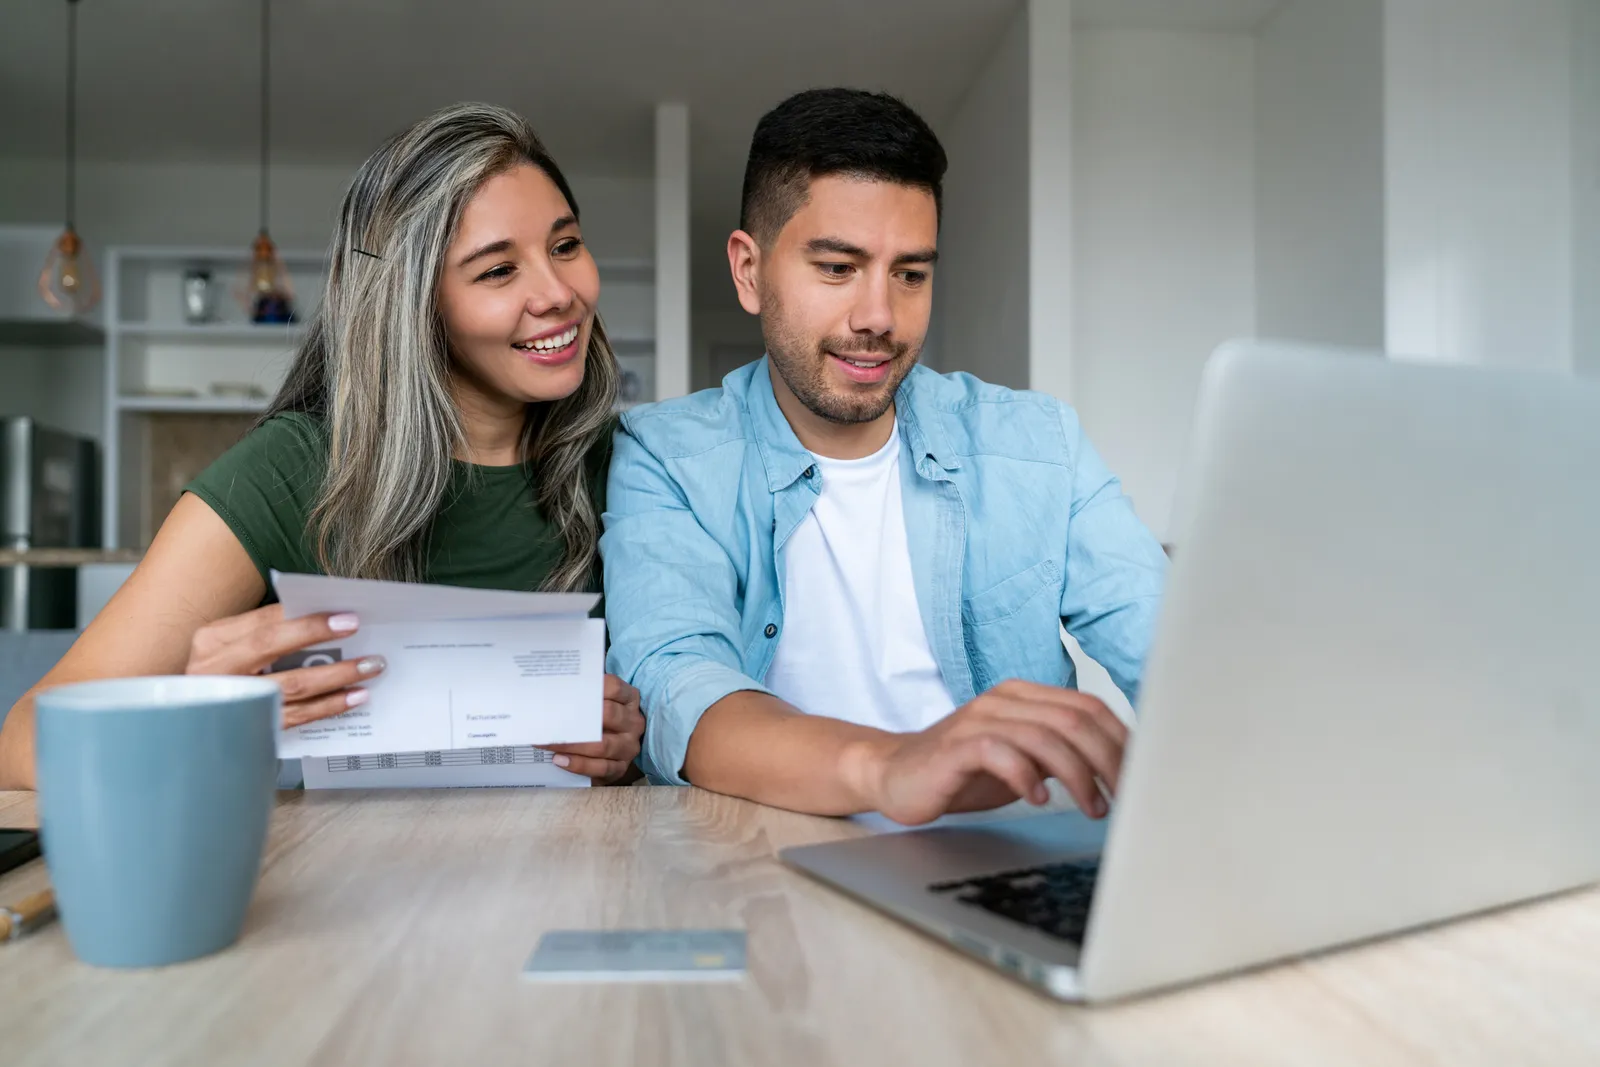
[
  {"x": 240, "y": 253},
  {"x": 216, "y": 331},
  {"x": 193, "y": 405}
]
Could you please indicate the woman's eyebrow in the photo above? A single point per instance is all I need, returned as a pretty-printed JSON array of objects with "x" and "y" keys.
[{"x": 502, "y": 245}]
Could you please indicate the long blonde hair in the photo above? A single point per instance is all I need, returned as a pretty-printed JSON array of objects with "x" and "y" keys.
[{"x": 375, "y": 365}]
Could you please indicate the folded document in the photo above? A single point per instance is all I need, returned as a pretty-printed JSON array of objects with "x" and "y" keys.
[{"x": 467, "y": 668}]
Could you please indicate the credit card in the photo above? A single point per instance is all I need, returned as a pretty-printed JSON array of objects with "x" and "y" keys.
[{"x": 637, "y": 956}]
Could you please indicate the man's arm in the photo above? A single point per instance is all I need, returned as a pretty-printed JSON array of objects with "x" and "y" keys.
[
  {"x": 756, "y": 746},
  {"x": 672, "y": 604},
  {"x": 997, "y": 749},
  {"x": 1115, "y": 568}
]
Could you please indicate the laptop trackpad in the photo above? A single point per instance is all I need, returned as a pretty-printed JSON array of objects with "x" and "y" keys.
[{"x": 942, "y": 853}]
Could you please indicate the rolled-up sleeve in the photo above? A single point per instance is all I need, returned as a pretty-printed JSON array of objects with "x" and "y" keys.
[
  {"x": 1115, "y": 568},
  {"x": 671, "y": 606}
]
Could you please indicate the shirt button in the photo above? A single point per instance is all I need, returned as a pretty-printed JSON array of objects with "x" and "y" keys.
[
  {"x": 771, "y": 630},
  {"x": 807, "y": 473}
]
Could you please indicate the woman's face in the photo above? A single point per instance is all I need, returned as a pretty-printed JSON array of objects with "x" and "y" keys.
[{"x": 518, "y": 291}]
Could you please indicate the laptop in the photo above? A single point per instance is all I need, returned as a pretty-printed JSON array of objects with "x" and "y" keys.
[{"x": 1372, "y": 702}]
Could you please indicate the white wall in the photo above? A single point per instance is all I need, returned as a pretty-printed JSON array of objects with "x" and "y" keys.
[
  {"x": 1586, "y": 188},
  {"x": 1319, "y": 173},
  {"x": 722, "y": 341},
  {"x": 1478, "y": 162},
  {"x": 981, "y": 283},
  {"x": 671, "y": 251},
  {"x": 1052, "y": 59},
  {"x": 1163, "y": 181},
  {"x": 62, "y": 388}
]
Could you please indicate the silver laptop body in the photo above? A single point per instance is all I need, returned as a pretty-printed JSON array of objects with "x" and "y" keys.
[{"x": 1373, "y": 700}]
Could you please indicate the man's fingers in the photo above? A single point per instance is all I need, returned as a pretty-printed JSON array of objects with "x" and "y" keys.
[
  {"x": 1073, "y": 699},
  {"x": 323, "y": 707},
  {"x": 1017, "y": 771},
  {"x": 305, "y": 683},
  {"x": 1061, "y": 760},
  {"x": 1085, "y": 736},
  {"x": 1079, "y": 725}
]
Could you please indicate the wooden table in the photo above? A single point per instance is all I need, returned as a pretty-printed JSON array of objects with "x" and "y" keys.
[{"x": 389, "y": 929}]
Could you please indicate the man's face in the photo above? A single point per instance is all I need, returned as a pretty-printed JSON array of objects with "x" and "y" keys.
[{"x": 844, "y": 295}]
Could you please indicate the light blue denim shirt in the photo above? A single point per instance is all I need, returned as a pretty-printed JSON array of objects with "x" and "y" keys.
[{"x": 1013, "y": 522}]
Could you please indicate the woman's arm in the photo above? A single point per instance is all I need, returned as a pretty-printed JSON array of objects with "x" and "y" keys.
[{"x": 196, "y": 572}]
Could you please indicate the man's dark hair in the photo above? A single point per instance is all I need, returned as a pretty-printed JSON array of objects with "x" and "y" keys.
[{"x": 833, "y": 131}]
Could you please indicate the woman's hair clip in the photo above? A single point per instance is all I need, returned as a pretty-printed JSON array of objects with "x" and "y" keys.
[{"x": 364, "y": 252}]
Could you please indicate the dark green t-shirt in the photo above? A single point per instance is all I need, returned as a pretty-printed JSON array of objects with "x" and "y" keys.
[{"x": 490, "y": 533}]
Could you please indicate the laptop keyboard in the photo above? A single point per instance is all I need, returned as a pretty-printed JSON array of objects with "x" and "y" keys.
[{"x": 1053, "y": 899}]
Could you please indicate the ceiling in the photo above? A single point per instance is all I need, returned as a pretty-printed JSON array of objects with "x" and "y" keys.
[{"x": 176, "y": 80}]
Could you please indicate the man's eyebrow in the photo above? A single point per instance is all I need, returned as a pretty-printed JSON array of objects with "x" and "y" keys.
[
  {"x": 840, "y": 247},
  {"x": 929, "y": 256},
  {"x": 836, "y": 246},
  {"x": 502, "y": 245}
]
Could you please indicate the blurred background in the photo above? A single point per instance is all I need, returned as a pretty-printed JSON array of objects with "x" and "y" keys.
[{"x": 1132, "y": 182}]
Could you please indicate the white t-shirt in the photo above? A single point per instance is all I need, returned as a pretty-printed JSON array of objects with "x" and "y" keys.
[{"x": 852, "y": 645}]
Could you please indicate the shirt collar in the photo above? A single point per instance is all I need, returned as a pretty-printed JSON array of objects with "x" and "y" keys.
[{"x": 786, "y": 460}]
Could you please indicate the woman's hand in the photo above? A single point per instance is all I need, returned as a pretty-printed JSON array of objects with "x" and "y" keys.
[
  {"x": 607, "y": 761},
  {"x": 252, "y": 642}
]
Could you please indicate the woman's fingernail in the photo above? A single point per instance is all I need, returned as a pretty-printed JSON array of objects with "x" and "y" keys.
[
  {"x": 371, "y": 665},
  {"x": 1098, "y": 805},
  {"x": 562, "y": 761},
  {"x": 343, "y": 623},
  {"x": 356, "y": 697}
]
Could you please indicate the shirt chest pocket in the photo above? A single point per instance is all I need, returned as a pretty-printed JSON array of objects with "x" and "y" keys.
[{"x": 1013, "y": 627}]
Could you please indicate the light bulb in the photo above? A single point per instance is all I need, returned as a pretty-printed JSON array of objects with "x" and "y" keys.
[
  {"x": 262, "y": 276},
  {"x": 69, "y": 281}
]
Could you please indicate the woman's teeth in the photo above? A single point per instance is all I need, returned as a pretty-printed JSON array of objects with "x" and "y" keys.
[{"x": 549, "y": 344}]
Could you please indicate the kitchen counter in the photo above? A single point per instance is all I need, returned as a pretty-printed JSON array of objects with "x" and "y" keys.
[{"x": 67, "y": 557}]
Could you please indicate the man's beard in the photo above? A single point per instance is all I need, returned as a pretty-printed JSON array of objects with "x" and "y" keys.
[{"x": 803, "y": 365}]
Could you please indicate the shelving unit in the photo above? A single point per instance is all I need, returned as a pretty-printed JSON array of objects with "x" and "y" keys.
[
  {"x": 219, "y": 331},
  {"x": 152, "y": 354},
  {"x": 158, "y": 364},
  {"x": 199, "y": 405}
]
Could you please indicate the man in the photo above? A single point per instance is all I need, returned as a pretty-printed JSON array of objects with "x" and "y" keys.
[{"x": 838, "y": 581}]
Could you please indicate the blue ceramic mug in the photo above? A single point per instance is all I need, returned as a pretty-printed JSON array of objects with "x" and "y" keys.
[{"x": 154, "y": 797}]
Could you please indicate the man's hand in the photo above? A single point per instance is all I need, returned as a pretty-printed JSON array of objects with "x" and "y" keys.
[{"x": 1000, "y": 747}]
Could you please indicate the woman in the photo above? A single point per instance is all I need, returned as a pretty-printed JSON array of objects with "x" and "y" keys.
[{"x": 447, "y": 419}]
